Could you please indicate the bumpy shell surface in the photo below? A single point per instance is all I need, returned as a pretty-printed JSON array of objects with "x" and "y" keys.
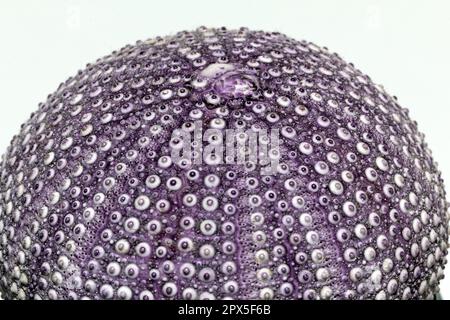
[{"x": 92, "y": 204}]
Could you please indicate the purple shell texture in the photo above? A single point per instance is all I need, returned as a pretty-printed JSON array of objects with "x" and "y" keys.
[{"x": 93, "y": 204}]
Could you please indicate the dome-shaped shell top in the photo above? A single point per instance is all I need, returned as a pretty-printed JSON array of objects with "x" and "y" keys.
[{"x": 94, "y": 203}]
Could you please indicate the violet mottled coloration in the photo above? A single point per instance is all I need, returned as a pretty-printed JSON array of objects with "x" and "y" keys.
[{"x": 93, "y": 206}]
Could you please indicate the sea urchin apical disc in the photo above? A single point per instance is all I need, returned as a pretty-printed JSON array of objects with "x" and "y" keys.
[{"x": 221, "y": 164}]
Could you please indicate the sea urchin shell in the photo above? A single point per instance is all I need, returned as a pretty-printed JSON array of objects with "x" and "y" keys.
[{"x": 93, "y": 204}]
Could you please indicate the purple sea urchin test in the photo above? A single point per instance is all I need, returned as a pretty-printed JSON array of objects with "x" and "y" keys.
[{"x": 340, "y": 200}]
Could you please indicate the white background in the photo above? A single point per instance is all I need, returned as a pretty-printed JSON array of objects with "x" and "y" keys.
[{"x": 402, "y": 44}]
